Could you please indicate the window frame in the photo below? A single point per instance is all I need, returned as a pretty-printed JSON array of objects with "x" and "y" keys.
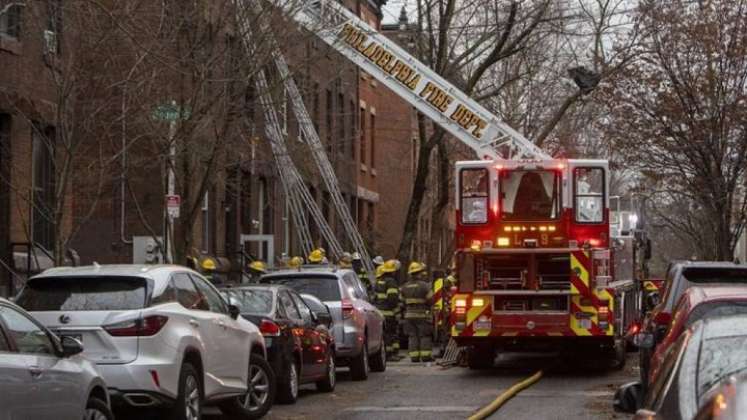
[
  {"x": 576, "y": 195},
  {"x": 287, "y": 294},
  {"x": 13, "y": 32},
  {"x": 487, "y": 196},
  {"x": 189, "y": 280}
]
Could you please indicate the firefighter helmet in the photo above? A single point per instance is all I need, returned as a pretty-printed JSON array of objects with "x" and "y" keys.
[
  {"x": 208, "y": 264},
  {"x": 295, "y": 262},
  {"x": 316, "y": 256},
  {"x": 378, "y": 260},
  {"x": 258, "y": 266},
  {"x": 356, "y": 256},
  {"x": 415, "y": 268},
  {"x": 346, "y": 260},
  {"x": 389, "y": 267}
]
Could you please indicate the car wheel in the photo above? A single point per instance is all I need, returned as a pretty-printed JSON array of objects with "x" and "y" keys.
[
  {"x": 97, "y": 410},
  {"x": 328, "y": 383},
  {"x": 619, "y": 355},
  {"x": 288, "y": 386},
  {"x": 188, "y": 404},
  {"x": 260, "y": 395},
  {"x": 359, "y": 365},
  {"x": 378, "y": 360}
]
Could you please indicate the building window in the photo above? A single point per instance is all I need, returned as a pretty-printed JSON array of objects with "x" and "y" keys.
[
  {"x": 371, "y": 216},
  {"x": 206, "y": 222},
  {"x": 341, "y": 122},
  {"x": 330, "y": 133},
  {"x": 10, "y": 21},
  {"x": 363, "y": 136},
  {"x": 44, "y": 187},
  {"x": 360, "y": 210},
  {"x": 373, "y": 141},
  {"x": 351, "y": 124},
  {"x": 53, "y": 32}
]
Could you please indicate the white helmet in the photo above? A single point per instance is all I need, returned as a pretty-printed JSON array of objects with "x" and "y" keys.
[{"x": 378, "y": 260}]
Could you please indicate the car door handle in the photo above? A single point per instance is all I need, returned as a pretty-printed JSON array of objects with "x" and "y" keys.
[
  {"x": 221, "y": 324},
  {"x": 194, "y": 323},
  {"x": 35, "y": 371}
]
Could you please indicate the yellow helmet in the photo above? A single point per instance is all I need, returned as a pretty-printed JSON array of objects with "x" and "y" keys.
[
  {"x": 415, "y": 268},
  {"x": 390, "y": 266},
  {"x": 380, "y": 271},
  {"x": 316, "y": 256},
  {"x": 258, "y": 266},
  {"x": 208, "y": 264},
  {"x": 295, "y": 262}
]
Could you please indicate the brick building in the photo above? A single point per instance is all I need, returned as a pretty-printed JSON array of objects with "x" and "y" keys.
[{"x": 31, "y": 42}]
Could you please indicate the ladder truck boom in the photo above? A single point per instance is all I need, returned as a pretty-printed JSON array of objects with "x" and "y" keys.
[{"x": 412, "y": 80}]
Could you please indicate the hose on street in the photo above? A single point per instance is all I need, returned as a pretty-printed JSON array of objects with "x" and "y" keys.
[{"x": 491, "y": 408}]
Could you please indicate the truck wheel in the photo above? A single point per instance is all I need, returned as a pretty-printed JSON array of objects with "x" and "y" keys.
[
  {"x": 619, "y": 353},
  {"x": 480, "y": 357},
  {"x": 359, "y": 365}
]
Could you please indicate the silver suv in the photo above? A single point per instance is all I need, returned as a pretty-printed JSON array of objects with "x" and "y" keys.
[
  {"x": 162, "y": 336},
  {"x": 358, "y": 326}
]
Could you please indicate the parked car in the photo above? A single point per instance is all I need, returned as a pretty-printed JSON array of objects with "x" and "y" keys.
[
  {"x": 358, "y": 327},
  {"x": 162, "y": 337},
  {"x": 682, "y": 275},
  {"x": 709, "y": 352},
  {"x": 728, "y": 401},
  {"x": 695, "y": 304},
  {"x": 300, "y": 347},
  {"x": 43, "y": 377}
]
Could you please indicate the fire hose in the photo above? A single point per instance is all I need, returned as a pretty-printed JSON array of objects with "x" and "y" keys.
[{"x": 491, "y": 408}]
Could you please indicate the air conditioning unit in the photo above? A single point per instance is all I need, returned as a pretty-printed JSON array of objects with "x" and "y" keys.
[{"x": 50, "y": 42}]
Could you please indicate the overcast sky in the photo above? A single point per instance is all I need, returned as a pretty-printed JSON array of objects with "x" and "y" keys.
[{"x": 392, "y": 9}]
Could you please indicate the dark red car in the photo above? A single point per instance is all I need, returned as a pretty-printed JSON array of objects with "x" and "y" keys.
[
  {"x": 300, "y": 346},
  {"x": 695, "y": 304}
]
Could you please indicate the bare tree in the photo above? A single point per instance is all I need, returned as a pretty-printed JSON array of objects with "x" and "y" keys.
[{"x": 678, "y": 115}]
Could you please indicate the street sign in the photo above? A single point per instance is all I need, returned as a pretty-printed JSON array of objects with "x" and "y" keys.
[
  {"x": 170, "y": 112},
  {"x": 173, "y": 204}
]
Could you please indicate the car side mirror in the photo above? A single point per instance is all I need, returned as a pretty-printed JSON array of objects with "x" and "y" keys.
[
  {"x": 644, "y": 340},
  {"x": 234, "y": 311},
  {"x": 652, "y": 299},
  {"x": 628, "y": 398},
  {"x": 324, "y": 318},
  {"x": 70, "y": 346}
]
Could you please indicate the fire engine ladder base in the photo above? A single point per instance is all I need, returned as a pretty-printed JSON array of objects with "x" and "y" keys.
[{"x": 452, "y": 354}]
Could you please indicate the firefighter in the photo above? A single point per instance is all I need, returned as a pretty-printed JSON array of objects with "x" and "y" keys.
[
  {"x": 378, "y": 260},
  {"x": 256, "y": 270},
  {"x": 360, "y": 270},
  {"x": 346, "y": 260},
  {"x": 295, "y": 263},
  {"x": 317, "y": 256},
  {"x": 417, "y": 295},
  {"x": 387, "y": 300},
  {"x": 208, "y": 269}
]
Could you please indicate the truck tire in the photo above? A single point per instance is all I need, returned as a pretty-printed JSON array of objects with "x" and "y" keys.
[
  {"x": 619, "y": 354},
  {"x": 480, "y": 357}
]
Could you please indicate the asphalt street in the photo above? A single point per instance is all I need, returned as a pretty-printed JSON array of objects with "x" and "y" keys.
[{"x": 567, "y": 390}]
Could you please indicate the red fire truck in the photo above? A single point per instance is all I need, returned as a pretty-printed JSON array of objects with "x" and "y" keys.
[{"x": 534, "y": 260}]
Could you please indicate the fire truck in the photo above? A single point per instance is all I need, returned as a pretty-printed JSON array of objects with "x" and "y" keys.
[{"x": 534, "y": 255}]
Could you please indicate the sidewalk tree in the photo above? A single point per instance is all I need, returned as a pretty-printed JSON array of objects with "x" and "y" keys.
[{"x": 679, "y": 115}]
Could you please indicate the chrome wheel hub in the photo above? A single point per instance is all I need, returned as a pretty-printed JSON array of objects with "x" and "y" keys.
[{"x": 259, "y": 389}]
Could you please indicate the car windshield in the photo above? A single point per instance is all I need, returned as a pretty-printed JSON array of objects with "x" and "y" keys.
[
  {"x": 530, "y": 195},
  {"x": 250, "y": 301},
  {"x": 325, "y": 288},
  {"x": 719, "y": 358},
  {"x": 715, "y": 275},
  {"x": 84, "y": 294},
  {"x": 716, "y": 309}
]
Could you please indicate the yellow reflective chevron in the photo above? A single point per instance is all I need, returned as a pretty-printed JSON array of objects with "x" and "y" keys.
[{"x": 582, "y": 273}]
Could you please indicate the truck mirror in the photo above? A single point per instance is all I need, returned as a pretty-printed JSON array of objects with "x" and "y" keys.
[{"x": 466, "y": 264}]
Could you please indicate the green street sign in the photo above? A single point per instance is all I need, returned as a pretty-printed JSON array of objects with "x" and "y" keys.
[{"x": 170, "y": 112}]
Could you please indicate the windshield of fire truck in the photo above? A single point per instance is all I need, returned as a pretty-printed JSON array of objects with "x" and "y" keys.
[{"x": 530, "y": 195}]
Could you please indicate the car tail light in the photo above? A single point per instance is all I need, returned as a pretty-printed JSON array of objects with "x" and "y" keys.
[
  {"x": 347, "y": 309},
  {"x": 269, "y": 328},
  {"x": 146, "y": 327},
  {"x": 663, "y": 318}
]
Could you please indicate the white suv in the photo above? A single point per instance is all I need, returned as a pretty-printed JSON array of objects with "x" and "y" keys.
[{"x": 162, "y": 336}]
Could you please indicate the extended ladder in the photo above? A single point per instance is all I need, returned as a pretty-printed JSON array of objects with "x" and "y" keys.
[
  {"x": 412, "y": 80},
  {"x": 311, "y": 138},
  {"x": 295, "y": 188}
]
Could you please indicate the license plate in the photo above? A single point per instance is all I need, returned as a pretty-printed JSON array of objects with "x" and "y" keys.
[{"x": 483, "y": 325}]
